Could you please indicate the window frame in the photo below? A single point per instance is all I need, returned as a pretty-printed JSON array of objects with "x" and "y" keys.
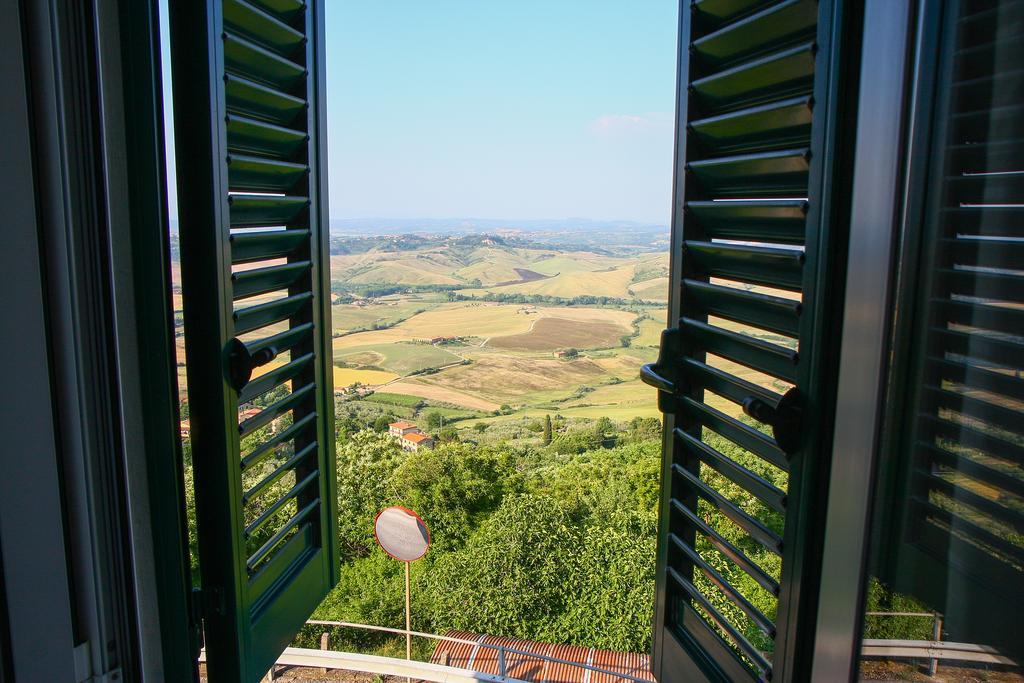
[
  {"x": 131, "y": 100},
  {"x": 93, "y": 530},
  {"x": 891, "y": 172}
]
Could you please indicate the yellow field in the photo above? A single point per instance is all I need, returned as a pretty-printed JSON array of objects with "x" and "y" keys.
[
  {"x": 573, "y": 263},
  {"x": 397, "y": 268},
  {"x": 651, "y": 290},
  {"x": 623, "y": 365},
  {"x": 456, "y": 319},
  {"x": 622, "y": 318},
  {"x": 491, "y": 265},
  {"x": 622, "y": 394},
  {"x": 650, "y": 332},
  {"x": 549, "y": 333},
  {"x": 344, "y": 377},
  {"x": 442, "y": 394},
  {"x": 483, "y": 320},
  {"x": 612, "y": 283},
  {"x": 503, "y": 378}
]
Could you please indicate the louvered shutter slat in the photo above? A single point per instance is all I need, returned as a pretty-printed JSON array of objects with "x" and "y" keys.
[
  {"x": 247, "y": 97},
  {"x": 262, "y": 280},
  {"x": 753, "y": 308},
  {"x": 262, "y": 27},
  {"x": 261, "y": 315},
  {"x": 255, "y": 274},
  {"x": 268, "y": 448},
  {"x": 261, "y": 246},
  {"x": 755, "y": 220},
  {"x": 742, "y": 373}
]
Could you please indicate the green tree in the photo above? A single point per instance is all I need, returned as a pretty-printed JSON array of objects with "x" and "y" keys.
[
  {"x": 453, "y": 488},
  {"x": 448, "y": 434},
  {"x": 365, "y": 464},
  {"x": 547, "y": 430},
  {"x": 480, "y": 427},
  {"x": 434, "y": 419},
  {"x": 617, "y": 487},
  {"x": 371, "y": 591},
  {"x": 381, "y": 423},
  {"x": 510, "y": 576},
  {"x": 603, "y": 426}
]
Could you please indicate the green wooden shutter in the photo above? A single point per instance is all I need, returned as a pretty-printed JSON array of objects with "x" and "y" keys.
[
  {"x": 746, "y": 370},
  {"x": 250, "y": 140},
  {"x": 952, "y": 537}
]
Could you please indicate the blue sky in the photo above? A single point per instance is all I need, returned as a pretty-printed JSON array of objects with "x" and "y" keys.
[{"x": 529, "y": 109}]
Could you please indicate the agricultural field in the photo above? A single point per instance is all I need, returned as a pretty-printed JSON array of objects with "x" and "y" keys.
[
  {"x": 443, "y": 394},
  {"x": 493, "y": 357},
  {"x": 551, "y": 333},
  {"x": 424, "y": 322},
  {"x": 650, "y": 331},
  {"x": 401, "y": 358},
  {"x": 346, "y": 318},
  {"x": 655, "y": 289},
  {"x": 614, "y": 281},
  {"x": 344, "y": 377}
]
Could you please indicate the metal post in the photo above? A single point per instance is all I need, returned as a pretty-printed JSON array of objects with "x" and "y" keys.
[
  {"x": 501, "y": 661},
  {"x": 408, "y": 619},
  {"x": 933, "y": 664}
]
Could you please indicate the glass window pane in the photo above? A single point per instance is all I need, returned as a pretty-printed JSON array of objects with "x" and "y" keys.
[{"x": 945, "y": 595}]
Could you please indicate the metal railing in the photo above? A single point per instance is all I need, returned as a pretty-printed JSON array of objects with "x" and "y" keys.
[
  {"x": 933, "y": 662},
  {"x": 502, "y": 650},
  {"x": 377, "y": 665},
  {"x": 933, "y": 650}
]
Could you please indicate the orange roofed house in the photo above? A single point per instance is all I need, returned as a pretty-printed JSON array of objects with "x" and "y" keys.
[
  {"x": 400, "y": 429},
  {"x": 417, "y": 440}
]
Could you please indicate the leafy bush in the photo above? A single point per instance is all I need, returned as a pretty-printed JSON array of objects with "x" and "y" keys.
[
  {"x": 528, "y": 543},
  {"x": 365, "y": 464},
  {"x": 578, "y": 441},
  {"x": 510, "y": 576}
]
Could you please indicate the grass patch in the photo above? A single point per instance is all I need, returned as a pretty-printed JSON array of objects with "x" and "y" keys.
[
  {"x": 401, "y": 358},
  {"x": 394, "y": 399}
]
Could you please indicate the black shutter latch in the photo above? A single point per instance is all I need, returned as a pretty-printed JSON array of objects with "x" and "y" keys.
[
  {"x": 783, "y": 418},
  {"x": 663, "y": 374},
  {"x": 241, "y": 362}
]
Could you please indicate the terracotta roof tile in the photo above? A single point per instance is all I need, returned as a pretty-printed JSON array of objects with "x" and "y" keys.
[{"x": 416, "y": 438}]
